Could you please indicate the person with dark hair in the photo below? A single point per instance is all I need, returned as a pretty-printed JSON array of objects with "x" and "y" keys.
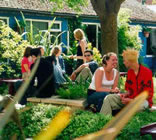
[
  {"x": 44, "y": 75},
  {"x": 104, "y": 81},
  {"x": 86, "y": 70},
  {"x": 26, "y": 63}
]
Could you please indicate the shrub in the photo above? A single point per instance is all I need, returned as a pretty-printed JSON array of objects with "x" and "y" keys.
[
  {"x": 12, "y": 47},
  {"x": 35, "y": 119},
  {"x": 128, "y": 35},
  {"x": 73, "y": 91}
]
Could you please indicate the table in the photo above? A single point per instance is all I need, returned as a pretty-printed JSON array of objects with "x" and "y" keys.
[{"x": 11, "y": 84}]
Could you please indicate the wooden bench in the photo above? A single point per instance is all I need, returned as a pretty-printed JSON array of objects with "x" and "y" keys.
[{"x": 81, "y": 103}]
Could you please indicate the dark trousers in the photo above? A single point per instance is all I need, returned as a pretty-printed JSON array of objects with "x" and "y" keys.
[{"x": 96, "y": 98}]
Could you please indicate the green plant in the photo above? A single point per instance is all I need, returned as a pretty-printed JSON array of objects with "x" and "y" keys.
[
  {"x": 21, "y": 24},
  {"x": 96, "y": 54},
  {"x": 73, "y": 91},
  {"x": 146, "y": 29},
  {"x": 12, "y": 47},
  {"x": 128, "y": 36},
  {"x": 3, "y": 89}
]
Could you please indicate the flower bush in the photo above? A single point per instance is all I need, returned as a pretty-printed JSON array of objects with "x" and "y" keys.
[{"x": 12, "y": 47}]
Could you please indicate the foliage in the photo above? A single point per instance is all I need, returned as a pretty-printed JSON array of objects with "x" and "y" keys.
[
  {"x": 73, "y": 91},
  {"x": 21, "y": 24},
  {"x": 122, "y": 81},
  {"x": 12, "y": 47},
  {"x": 128, "y": 35},
  {"x": 3, "y": 89},
  {"x": 146, "y": 29},
  {"x": 32, "y": 121},
  {"x": 96, "y": 54},
  {"x": 82, "y": 123},
  {"x": 74, "y": 4},
  {"x": 132, "y": 129}
]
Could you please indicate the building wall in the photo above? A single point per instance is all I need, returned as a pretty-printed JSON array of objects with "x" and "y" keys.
[{"x": 148, "y": 60}]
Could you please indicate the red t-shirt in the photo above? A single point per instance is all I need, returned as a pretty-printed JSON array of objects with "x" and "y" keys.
[
  {"x": 143, "y": 81},
  {"x": 25, "y": 61}
]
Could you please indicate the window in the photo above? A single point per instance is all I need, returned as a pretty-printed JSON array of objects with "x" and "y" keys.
[
  {"x": 151, "y": 43},
  {"x": 93, "y": 34},
  {"x": 5, "y": 19},
  {"x": 40, "y": 25}
]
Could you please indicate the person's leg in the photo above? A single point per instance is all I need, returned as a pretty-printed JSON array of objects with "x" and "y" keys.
[
  {"x": 97, "y": 99},
  {"x": 111, "y": 102},
  {"x": 83, "y": 75}
]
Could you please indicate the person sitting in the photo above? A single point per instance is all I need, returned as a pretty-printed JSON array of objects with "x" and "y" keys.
[
  {"x": 58, "y": 64},
  {"x": 44, "y": 74},
  {"x": 26, "y": 63},
  {"x": 139, "y": 79},
  {"x": 104, "y": 81},
  {"x": 86, "y": 70}
]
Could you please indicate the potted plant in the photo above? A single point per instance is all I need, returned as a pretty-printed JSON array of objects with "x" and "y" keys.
[{"x": 146, "y": 31}]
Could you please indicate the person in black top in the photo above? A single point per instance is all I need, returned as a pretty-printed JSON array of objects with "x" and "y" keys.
[
  {"x": 82, "y": 46},
  {"x": 44, "y": 75},
  {"x": 86, "y": 70}
]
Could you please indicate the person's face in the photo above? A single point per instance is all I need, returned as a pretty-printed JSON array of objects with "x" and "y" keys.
[
  {"x": 59, "y": 53},
  {"x": 112, "y": 62},
  {"x": 126, "y": 63},
  {"x": 88, "y": 56},
  {"x": 76, "y": 38},
  {"x": 34, "y": 58}
]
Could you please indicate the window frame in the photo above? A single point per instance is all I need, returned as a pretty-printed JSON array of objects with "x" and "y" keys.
[
  {"x": 149, "y": 55},
  {"x": 97, "y": 30},
  {"x": 7, "y": 18}
]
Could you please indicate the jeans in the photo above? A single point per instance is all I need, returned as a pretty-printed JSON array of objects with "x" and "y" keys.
[{"x": 96, "y": 98}]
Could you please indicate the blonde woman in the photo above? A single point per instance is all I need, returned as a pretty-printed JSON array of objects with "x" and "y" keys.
[{"x": 82, "y": 46}]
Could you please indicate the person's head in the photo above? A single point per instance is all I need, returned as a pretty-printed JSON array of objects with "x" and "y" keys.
[
  {"x": 35, "y": 52},
  {"x": 130, "y": 57},
  {"x": 110, "y": 60},
  {"x": 56, "y": 51},
  {"x": 88, "y": 54},
  {"x": 79, "y": 34},
  {"x": 27, "y": 52},
  {"x": 42, "y": 49}
]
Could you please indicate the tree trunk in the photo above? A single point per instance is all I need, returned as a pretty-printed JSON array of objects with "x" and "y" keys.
[
  {"x": 109, "y": 39},
  {"x": 107, "y": 10}
]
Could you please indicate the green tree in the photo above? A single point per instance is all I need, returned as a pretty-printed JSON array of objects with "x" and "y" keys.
[{"x": 107, "y": 11}]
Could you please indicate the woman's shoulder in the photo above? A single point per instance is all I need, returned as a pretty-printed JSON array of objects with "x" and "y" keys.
[{"x": 100, "y": 69}]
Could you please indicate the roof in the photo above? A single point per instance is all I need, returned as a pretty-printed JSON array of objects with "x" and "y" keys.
[{"x": 139, "y": 11}]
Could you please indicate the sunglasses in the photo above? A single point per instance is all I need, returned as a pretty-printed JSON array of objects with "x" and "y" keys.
[{"x": 86, "y": 55}]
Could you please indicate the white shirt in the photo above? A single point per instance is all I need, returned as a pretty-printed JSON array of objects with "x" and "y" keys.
[{"x": 105, "y": 83}]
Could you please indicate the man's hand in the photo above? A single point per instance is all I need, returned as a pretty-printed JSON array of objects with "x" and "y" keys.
[{"x": 73, "y": 76}]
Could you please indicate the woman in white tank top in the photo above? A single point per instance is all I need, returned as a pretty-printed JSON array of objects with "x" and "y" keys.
[{"x": 104, "y": 81}]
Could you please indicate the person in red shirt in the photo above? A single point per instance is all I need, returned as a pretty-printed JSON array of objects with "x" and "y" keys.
[
  {"x": 26, "y": 63},
  {"x": 139, "y": 79}
]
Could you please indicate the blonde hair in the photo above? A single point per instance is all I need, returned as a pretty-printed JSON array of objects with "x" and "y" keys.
[
  {"x": 55, "y": 50},
  {"x": 79, "y": 34},
  {"x": 131, "y": 55}
]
